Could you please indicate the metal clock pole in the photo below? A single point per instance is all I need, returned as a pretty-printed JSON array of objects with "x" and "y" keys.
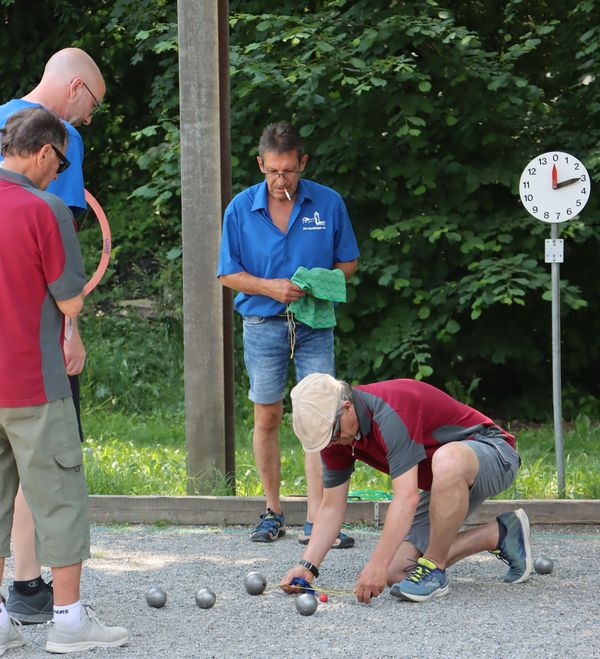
[
  {"x": 555, "y": 187},
  {"x": 555, "y": 256}
]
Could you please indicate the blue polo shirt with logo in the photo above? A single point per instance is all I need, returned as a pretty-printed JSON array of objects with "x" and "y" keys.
[{"x": 319, "y": 235}]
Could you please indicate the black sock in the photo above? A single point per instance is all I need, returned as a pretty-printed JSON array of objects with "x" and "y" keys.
[
  {"x": 30, "y": 587},
  {"x": 501, "y": 533}
]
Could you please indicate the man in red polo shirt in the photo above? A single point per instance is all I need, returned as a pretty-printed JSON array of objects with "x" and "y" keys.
[
  {"x": 42, "y": 278},
  {"x": 444, "y": 459}
]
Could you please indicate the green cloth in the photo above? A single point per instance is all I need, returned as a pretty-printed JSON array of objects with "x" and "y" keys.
[{"x": 323, "y": 287}]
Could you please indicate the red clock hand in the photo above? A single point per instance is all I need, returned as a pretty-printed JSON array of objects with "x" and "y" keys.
[{"x": 554, "y": 177}]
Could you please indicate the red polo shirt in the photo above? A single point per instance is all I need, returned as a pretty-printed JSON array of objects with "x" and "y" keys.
[
  {"x": 40, "y": 262},
  {"x": 402, "y": 424}
]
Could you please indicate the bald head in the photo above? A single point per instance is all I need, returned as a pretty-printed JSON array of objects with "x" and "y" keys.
[
  {"x": 68, "y": 63},
  {"x": 72, "y": 85}
]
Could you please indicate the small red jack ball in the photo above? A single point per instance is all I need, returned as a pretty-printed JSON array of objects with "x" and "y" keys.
[{"x": 323, "y": 597}]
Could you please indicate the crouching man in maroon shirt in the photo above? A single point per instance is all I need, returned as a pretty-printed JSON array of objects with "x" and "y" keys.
[{"x": 444, "y": 459}]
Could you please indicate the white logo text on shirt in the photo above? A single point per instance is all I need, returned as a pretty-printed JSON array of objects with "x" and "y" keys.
[{"x": 314, "y": 223}]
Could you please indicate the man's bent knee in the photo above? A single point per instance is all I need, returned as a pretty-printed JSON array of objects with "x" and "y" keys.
[{"x": 455, "y": 461}]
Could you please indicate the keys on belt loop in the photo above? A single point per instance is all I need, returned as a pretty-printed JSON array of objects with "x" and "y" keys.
[{"x": 291, "y": 322}]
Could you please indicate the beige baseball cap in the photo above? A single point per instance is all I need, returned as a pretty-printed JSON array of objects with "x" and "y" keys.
[{"x": 315, "y": 401}]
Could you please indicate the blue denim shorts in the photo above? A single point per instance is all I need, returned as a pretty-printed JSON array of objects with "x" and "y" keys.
[
  {"x": 267, "y": 352},
  {"x": 498, "y": 466}
]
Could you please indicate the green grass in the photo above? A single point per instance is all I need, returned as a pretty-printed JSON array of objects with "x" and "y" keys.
[
  {"x": 132, "y": 392},
  {"x": 145, "y": 454},
  {"x": 537, "y": 477},
  {"x": 134, "y": 454}
]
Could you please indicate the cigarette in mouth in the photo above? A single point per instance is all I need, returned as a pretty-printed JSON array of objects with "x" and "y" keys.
[{"x": 287, "y": 194}]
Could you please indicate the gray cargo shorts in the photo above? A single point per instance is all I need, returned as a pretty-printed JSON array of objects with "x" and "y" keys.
[
  {"x": 40, "y": 447},
  {"x": 498, "y": 466}
]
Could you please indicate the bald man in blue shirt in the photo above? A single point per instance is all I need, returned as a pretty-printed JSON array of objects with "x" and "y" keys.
[{"x": 269, "y": 230}]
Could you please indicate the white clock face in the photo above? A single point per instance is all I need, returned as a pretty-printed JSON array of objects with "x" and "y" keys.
[{"x": 554, "y": 187}]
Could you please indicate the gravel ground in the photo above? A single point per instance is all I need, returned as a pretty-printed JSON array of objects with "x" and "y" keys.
[{"x": 556, "y": 615}]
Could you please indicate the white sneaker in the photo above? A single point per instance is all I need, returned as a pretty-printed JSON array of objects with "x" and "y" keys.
[
  {"x": 11, "y": 637},
  {"x": 91, "y": 633}
]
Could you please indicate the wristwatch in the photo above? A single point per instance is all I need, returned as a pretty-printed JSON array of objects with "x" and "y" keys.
[{"x": 313, "y": 569}]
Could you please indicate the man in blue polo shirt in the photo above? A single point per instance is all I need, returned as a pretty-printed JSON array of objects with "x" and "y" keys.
[{"x": 269, "y": 231}]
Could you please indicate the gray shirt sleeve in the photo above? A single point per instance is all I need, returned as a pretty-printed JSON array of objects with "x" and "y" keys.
[
  {"x": 403, "y": 452},
  {"x": 72, "y": 280}
]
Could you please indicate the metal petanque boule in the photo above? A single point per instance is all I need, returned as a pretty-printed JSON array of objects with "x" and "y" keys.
[
  {"x": 255, "y": 583},
  {"x": 543, "y": 564},
  {"x": 156, "y": 597},
  {"x": 306, "y": 604},
  {"x": 205, "y": 598}
]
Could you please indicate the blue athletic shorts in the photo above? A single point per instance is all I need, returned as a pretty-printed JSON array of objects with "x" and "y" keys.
[
  {"x": 498, "y": 466},
  {"x": 267, "y": 352}
]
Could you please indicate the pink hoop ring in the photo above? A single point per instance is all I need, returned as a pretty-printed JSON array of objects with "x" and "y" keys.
[{"x": 106, "y": 244}]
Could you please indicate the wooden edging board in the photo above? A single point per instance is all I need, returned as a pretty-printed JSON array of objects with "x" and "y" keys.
[{"x": 207, "y": 510}]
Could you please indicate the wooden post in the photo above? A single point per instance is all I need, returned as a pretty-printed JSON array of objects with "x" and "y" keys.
[
  {"x": 228, "y": 361},
  {"x": 205, "y": 188}
]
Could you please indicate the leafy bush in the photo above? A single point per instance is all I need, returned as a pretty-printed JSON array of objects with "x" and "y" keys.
[{"x": 422, "y": 115}]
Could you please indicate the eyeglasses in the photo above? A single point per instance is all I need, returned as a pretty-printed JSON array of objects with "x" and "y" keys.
[
  {"x": 97, "y": 104},
  {"x": 286, "y": 173},
  {"x": 64, "y": 163}
]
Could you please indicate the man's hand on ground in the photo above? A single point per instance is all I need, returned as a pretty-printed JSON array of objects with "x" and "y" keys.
[
  {"x": 371, "y": 582},
  {"x": 297, "y": 572}
]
